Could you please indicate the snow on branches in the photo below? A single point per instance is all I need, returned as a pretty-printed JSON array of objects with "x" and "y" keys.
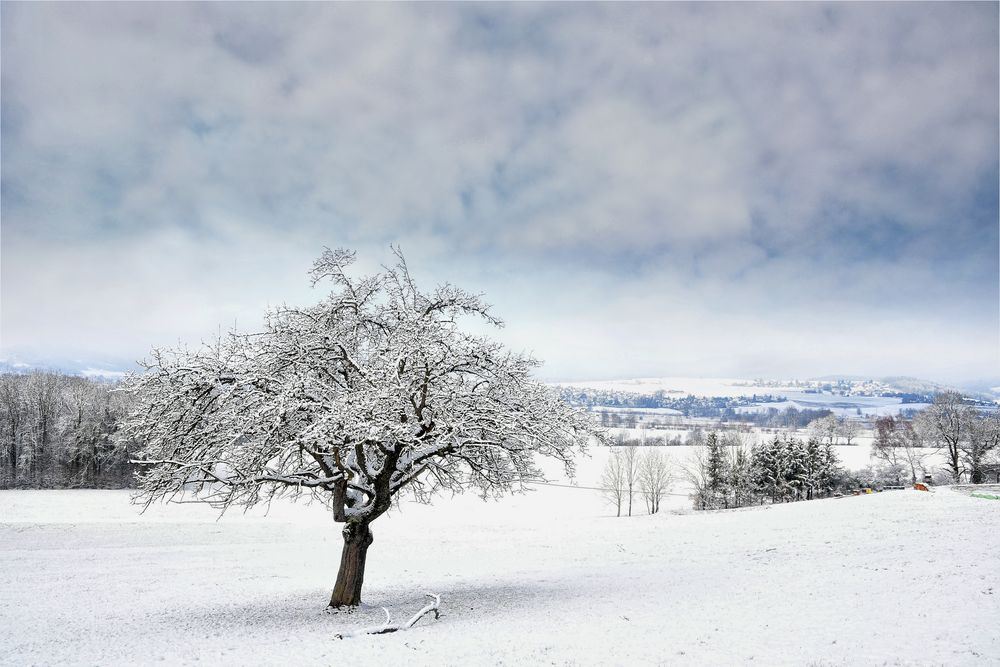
[{"x": 373, "y": 390}]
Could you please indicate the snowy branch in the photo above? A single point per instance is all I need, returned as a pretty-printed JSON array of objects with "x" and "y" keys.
[{"x": 388, "y": 627}]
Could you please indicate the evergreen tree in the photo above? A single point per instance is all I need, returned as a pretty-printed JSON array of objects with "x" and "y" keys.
[
  {"x": 830, "y": 470},
  {"x": 741, "y": 477},
  {"x": 717, "y": 471},
  {"x": 813, "y": 467},
  {"x": 766, "y": 469}
]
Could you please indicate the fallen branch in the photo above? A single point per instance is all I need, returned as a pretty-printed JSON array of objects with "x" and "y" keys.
[{"x": 388, "y": 627}]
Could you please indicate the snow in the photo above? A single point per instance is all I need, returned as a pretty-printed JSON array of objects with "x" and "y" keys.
[
  {"x": 846, "y": 406},
  {"x": 901, "y": 577}
]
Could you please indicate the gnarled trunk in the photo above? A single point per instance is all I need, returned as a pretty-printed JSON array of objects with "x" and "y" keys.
[{"x": 351, "y": 576}]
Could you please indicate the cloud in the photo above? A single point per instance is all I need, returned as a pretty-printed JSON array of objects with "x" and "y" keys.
[{"x": 719, "y": 168}]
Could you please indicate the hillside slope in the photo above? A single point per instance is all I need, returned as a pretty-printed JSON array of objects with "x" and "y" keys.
[{"x": 896, "y": 578}]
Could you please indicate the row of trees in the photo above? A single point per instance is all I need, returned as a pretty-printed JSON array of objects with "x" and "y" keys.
[
  {"x": 901, "y": 448},
  {"x": 629, "y": 473},
  {"x": 830, "y": 429},
  {"x": 688, "y": 405},
  {"x": 647, "y": 439},
  {"x": 968, "y": 436},
  {"x": 727, "y": 473},
  {"x": 790, "y": 417},
  {"x": 58, "y": 431}
]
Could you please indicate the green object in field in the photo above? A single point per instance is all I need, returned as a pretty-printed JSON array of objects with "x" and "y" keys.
[{"x": 986, "y": 496}]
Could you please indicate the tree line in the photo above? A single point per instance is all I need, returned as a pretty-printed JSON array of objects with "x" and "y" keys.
[
  {"x": 790, "y": 417},
  {"x": 689, "y": 406},
  {"x": 966, "y": 434},
  {"x": 631, "y": 472},
  {"x": 58, "y": 431},
  {"x": 726, "y": 473}
]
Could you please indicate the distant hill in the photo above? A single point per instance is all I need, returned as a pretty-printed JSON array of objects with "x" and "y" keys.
[{"x": 97, "y": 369}]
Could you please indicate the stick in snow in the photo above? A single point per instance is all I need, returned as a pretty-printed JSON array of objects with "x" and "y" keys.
[{"x": 387, "y": 627}]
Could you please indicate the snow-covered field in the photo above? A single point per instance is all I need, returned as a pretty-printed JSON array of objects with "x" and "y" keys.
[
  {"x": 732, "y": 387},
  {"x": 846, "y": 406},
  {"x": 682, "y": 386},
  {"x": 549, "y": 577}
]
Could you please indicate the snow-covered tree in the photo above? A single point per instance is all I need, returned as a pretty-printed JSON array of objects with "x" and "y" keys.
[
  {"x": 717, "y": 471},
  {"x": 825, "y": 429},
  {"x": 913, "y": 446},
  {"x": 831, "y": 473},
  {"x": 741, "y": 477},
  {"x": 630, "y": 472},
  {"x": 887, "y": 443},
  {"x": 613, "y": 479},
  {"x": 947, "y": 423},
  {"x": 655, "y": 478},
  {"x": 695, "y": 472},
  {"x": 814, "y": 464},
  {"x": 13, "y": 418},
  {"x": 847, "y": 429},
  {"x": 897, "y": 442},
  {"x": 768, "y": 469},
  {"x": 374, "y": 390},
  {"x": 984, "y": 437},
  {"x": 57, "y": 431},
  {"x": 788, "y": 469},
  {"x": 738, "y": 444},
  {"x": 793, "y": 456}
]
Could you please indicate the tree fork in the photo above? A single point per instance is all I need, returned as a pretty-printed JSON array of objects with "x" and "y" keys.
[{"x": 351, "y": 575}]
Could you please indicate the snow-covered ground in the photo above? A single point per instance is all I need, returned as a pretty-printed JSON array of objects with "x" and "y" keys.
[
  {"x": 549, "y": 577},
  {"x": 846, "y": 406}
]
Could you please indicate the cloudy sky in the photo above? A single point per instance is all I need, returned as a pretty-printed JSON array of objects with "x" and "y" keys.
[{"x": 713, "y": 189}]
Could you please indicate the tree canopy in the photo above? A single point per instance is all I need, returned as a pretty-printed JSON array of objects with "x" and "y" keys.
[{"x": 373, "y": 390}]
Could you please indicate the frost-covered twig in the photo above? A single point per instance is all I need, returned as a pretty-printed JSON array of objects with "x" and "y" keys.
[
  {"x": 433, "y": 606},
  {"x": 387, "y": 627}
]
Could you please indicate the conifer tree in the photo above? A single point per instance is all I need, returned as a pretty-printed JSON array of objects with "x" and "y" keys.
[{"x": 717, "y": 471}]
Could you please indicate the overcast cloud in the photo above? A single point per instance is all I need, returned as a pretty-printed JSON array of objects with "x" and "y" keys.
[{"x": 641, "y": 189}]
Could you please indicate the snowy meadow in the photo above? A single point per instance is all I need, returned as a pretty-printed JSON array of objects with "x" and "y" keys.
[
  {"x": 500, "y": 333},
  {"x": 549, "y": 576}
]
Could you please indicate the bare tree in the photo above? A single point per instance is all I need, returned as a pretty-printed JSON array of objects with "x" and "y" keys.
[
  {"x": 887, "y": 442},
  {"x": 13, "y": 413},
  {"x": 898, "y": 443},
  {"x": 55, "y": 431},
  {"x": 847, "y": 428},
  {"x": 695, "y": 471},
  {"x": 613, "y": 479},
  {"x": 374, "y": 390},
  {"x": 912, "y": 443},
  {"x": 630, "y": 470},
  {"x": 825, "y": 429},
  {"x": 946, "y": 423},
  {"x": 984, "y": 437},
  {"x": 44, "y": 402},
  {"x": 655, "y": 478}
]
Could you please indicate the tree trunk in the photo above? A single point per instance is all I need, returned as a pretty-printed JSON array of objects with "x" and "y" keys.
[
  {"x": 350, "y": 577},
  {"x": 954, "y": 462}
]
